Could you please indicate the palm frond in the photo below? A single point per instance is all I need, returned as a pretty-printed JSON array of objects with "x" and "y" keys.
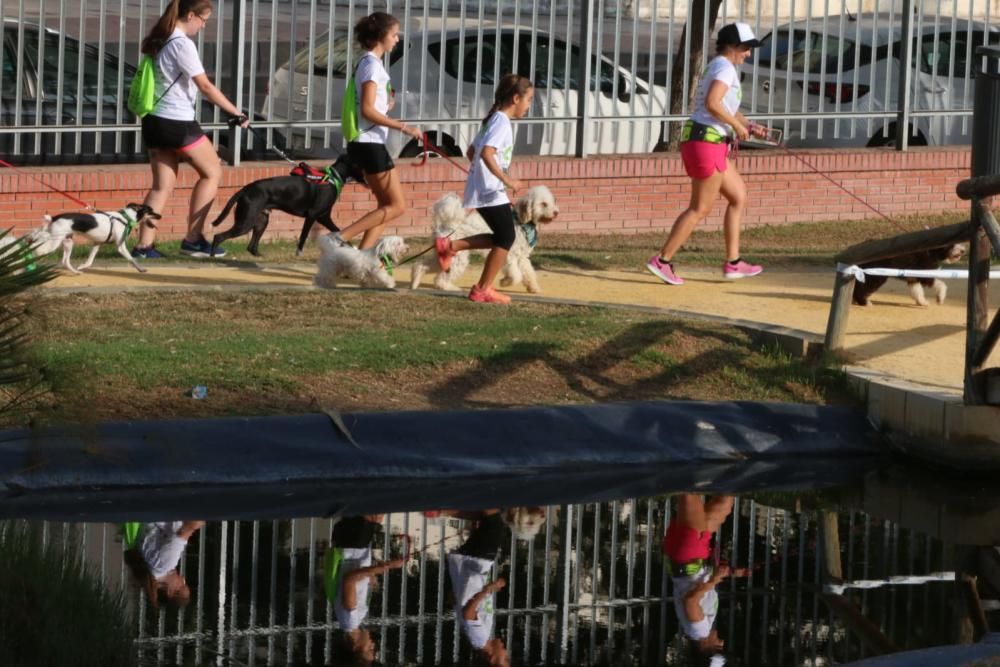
[{"x": 20, "y": 272}]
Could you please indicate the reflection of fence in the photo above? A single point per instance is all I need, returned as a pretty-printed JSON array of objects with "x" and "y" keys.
[
  {"x": 590, "y": 586},
  {"x": 833, "y": 82}
]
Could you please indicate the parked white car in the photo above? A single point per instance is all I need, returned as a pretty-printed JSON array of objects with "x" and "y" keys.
[
  {"x": 796, "y": 70},
  {"x": 452, "y": 75}
]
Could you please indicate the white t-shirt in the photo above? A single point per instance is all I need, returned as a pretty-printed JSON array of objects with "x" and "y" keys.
[
  {"x": 351, "y": 619},
  {"x": 469, "y": 575},
  {"x": 483, "y": 188},
  {"x": 370, "y": 68},
  {"x": 179, "y": 56},
  {"x": 719, "y": 69},
  {"x": 161, "y": 547},
  {"x": 709, "y": 604}
]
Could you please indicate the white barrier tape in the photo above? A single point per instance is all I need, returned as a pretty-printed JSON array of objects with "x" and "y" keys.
[
  {"x": 859, "y": 274},
  {"x": 911, "y": 580}
]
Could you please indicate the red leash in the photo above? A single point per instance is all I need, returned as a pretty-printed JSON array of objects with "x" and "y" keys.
[
  {"x": 53, "y": 188},
  {"x": 429, "y": 147}
]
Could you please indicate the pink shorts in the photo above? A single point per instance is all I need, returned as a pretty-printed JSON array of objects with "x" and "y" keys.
[
  {"x": 683, "y": 544},
  {"x": 702, "y": 159}
]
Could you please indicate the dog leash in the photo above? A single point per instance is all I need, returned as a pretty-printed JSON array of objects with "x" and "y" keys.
[
  {"x": 65, "y": 194},
  {"x": 430, "y": 147},
  {"x": 783, "y": 148},
  {"x": 235, "y": 120}
]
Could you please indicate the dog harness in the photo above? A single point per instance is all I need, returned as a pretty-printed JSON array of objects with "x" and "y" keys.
[
  {"x": 386, "y": 263},
  {"x": 126, "y": 219},
  {"x": 529, "y": 229}
]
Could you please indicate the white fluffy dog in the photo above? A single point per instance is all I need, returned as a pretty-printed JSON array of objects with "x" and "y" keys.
[
  {"x": 369, "y": 267},
  {"x": 536, "y": 206},
  {"x": 100, "y": 227}
]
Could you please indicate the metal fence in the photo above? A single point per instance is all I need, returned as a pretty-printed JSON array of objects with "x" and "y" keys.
[
  {"x": 826, "y": 74},
  {"x": 590, "y": 587}
]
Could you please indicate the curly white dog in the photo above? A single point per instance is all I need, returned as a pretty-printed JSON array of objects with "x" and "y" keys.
[
  {"x": 536, "y": 206},
  {"x": 371, "y": 267}
]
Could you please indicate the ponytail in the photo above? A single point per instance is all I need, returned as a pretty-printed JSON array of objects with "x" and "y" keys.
[
  {"x": 164, "y": 27},
  {"x": 489, "y": 114}
]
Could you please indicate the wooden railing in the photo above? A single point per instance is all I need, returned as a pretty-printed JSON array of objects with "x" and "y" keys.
[{"x": 981, "y": 385}]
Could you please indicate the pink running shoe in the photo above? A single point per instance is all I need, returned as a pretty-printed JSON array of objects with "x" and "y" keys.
[
  {"x": 444, "y": 252},
  {"x": 488, "y": 295},
  {"x": 663, "y": 270},
  {"x": 740, "y": 269}
]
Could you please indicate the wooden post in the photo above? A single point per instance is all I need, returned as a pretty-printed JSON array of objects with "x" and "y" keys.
[
  {"x": 840, "y": 307},
  {"x": 977, "y": 303},
  {"x": 869, "y": 632},
  {"x": 831, "y": 547}
]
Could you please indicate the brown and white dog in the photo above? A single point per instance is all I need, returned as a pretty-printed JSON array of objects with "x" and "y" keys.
[
  {"x": 926, "y": 260},
  {"x": 100, "y": 227}
]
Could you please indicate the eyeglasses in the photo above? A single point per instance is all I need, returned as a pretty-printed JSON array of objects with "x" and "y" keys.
[{"x": 204, "y": 19}]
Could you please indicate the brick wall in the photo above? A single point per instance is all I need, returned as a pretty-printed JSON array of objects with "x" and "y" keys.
[{"x": 621, "y": 194}]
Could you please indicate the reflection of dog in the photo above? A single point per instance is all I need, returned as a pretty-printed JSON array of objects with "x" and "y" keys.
[
  {"x": 922, "y": 261},
  {"x": 524, "y": 522},
  {"x": 536, "y": 206},
  {"x": 370, "y": 267},
  {"x": 99, "y": 226},
  {"x": 292, "y": 194}
]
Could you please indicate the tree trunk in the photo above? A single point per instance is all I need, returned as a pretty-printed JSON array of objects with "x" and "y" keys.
[{"x": 694, "y": 28}]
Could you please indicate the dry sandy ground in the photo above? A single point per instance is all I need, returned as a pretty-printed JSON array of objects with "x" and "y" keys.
[{"x": 894, "y": 336}]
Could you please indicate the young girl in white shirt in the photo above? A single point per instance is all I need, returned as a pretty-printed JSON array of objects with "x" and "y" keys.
[
  {"x": 378, "y": 34},
  {"x": 490, "y": 154},
  {"x": 171, "y": 133}
]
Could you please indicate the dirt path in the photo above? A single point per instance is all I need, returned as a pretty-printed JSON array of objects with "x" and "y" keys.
[{"x": 896, "y": 337}]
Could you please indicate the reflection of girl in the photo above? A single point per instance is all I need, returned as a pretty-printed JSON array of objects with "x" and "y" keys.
[
  {"x": 688, "y": 547},
  {"x": 470, "y": 569},
  {"x": 352, "y": 541},
  {"x": 154, "y": 557}
]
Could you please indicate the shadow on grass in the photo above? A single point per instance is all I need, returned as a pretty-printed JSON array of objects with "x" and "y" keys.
[{"x": 720, "y": 370}]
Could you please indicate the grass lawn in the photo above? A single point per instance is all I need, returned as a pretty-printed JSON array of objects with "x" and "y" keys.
[
  {"x": 795, "y": 245},
  {"x": 137, "y": 356}
]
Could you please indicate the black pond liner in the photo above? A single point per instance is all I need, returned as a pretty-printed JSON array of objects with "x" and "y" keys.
[{"x": 306, "y": 465}]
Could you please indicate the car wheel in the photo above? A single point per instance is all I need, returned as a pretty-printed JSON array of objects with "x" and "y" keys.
[
  {"x": 415, "y": 149},
  {"x": 889, "y": 138}
]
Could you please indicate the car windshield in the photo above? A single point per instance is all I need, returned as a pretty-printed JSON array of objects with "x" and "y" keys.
[
  {"x": 327, "y": 61},
  {"x": 471, "y": 58},
  {"x": 803, "y": 51}
]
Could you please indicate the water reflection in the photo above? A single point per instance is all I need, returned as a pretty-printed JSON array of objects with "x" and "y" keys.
[{"x": 796, "y": 579}]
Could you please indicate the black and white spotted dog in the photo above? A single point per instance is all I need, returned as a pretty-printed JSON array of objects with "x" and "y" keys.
[{"x": 100, "y": 227}]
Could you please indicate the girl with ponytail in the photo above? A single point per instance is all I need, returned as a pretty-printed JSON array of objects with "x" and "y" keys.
[
  {"x": 490, "y": 153},
  {"x": 377, "y": 34},
  {"x": 171, "y": 133}
]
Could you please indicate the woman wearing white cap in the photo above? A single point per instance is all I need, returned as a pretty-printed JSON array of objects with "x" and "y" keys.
[{"x": 705, "y": 141}]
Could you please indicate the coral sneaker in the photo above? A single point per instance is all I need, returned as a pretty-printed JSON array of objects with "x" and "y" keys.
[
  {"x": 488, "y": 295},
  {"x": 444, "y": 252},
  {"x": 664, "y": 271},
  {"x": 740, "y": 269}
]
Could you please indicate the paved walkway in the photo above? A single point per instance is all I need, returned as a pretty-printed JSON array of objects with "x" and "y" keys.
[{"x": 894, "y": 336}]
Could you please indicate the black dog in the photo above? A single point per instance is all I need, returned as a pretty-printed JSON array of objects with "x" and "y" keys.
[
  {"x": 292, "y": 194},
  {"x": 921, "y": 261}
]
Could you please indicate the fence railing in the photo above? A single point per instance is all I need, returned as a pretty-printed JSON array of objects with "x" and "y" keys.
[
  {"x": 826, "y": 74},
  {"x": 589, "y": 586}
]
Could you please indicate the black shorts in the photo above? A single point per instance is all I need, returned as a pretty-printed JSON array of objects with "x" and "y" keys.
[
  {"x": 486, "y": 540},
  {"x": 353, "y": 532},
  {"x": 169, "y": 134},
  {"x": 500, "y": 220},
  {"x": 372, "y": 158}
]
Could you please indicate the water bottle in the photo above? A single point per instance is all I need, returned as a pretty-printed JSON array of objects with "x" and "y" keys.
[{"x": 199, "y": 392}]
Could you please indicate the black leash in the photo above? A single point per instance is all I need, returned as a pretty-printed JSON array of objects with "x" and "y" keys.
[{"x": 238, "y": 120}]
